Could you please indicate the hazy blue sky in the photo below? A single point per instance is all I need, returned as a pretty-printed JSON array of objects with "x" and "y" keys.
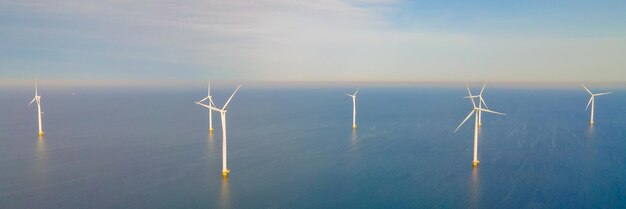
[{"x": 329, "y": 40}]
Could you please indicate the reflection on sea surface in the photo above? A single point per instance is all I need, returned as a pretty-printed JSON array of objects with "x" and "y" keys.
[{"x": 225, "y": 194}]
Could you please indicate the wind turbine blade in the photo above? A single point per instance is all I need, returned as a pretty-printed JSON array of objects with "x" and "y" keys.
[
  {"x": 490, "y": 111},
  {"x": 588, "y": 103},
  {"x": 36, "y": 87},
  {"x": 32, "y": 101},
  {"x": 470, "y": 95},
  {"x": 231, "y": 97},
  {"x": 209, "y": 90},
  {"x": 600, "y": 94},
  {"x": 586, "y": 89},
  {"x": 211, "y": 102},
  {"x": 357, "y": 90},
  {"x": 209, "y": 95},
  {"x": 483, "y": 89},
  {"x": 466, "y": 97},
  {"x": 483, "y": 101},
  {"x": 207, "y": 106},
  {"x": 468, "y": 116},
  {"x": 349, "y": 95},
  {"x": 203, "y": 99}
]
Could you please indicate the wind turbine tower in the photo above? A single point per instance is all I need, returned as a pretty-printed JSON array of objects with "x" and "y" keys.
[
  {"x": 37, "y": 99},
  {"x": 592, "y": 101},
  {"x": 475, "y": 111},
  {"x": 222, "y": 112},
  {"x": 353, "y": 108},
  {"x": 210, "y": 103}
]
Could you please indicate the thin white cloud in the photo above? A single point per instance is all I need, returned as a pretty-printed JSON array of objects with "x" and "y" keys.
[{"x": 298, "y": 40}]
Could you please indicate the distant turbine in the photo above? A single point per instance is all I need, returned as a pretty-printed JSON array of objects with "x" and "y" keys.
[
  {"x": 474, "y": 110},
  {"x": 592, "y": 101},
  {"x": 210, "y": 103},
  {"x": 353, "y": 108},
  {"x": 38, "y": 99},
  {"x": 480, "y": 104},
  {"x": 222, "y": 111}
]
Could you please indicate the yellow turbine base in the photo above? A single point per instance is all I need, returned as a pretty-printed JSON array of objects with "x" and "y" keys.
[
  {"x": 354, "y": 127},
  {"x": 40, "y": 133},
  {"x": 475, "y": 163},
  {"x": 211, "y": 130},
  {"x": 591, "y": 122},
  {"x": 225, "y": 173}
]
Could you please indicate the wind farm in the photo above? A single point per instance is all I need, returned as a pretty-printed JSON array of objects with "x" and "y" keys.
[
  {"x": 273, "y": 146},
  {"x": 129, "y": 89}
]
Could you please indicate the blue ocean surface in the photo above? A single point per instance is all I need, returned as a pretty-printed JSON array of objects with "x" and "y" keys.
[{"x": 295, "y": 148}]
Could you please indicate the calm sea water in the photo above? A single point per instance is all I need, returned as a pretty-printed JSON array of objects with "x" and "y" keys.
[{"x": 294, "y": 148}]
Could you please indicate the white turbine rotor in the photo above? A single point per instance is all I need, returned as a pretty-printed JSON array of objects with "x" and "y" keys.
[
  {"x": 586, "y": 89},
  {"x": 468, "y": 116},
  {"x": 600, "y": 94}
]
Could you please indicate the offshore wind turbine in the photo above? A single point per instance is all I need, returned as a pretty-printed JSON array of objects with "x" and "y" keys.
[
  {"x": 222, "y": 112},
  {"x": 37, "y": 98},
  {"x": 592, "y": 101},
  {"x": 353, "y": 108},
  {"x": 480, "y": 104},
  {"x": 475, "y": 111},
  {"x": 210, "y": 103}
]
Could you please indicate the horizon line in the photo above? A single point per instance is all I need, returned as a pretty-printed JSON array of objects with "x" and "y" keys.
[{"x": 177, "y": 83}]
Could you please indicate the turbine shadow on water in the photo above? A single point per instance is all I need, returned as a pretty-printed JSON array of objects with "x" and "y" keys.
[
  {"x": 474, "y": 189},
  {"x": 41, "y": 155},
  {"x": 211, "y": 146},
  {"x": 590, "y": 133},
  {"x": 353, "y": 139},
  {"x": 225, "y": 194}
]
